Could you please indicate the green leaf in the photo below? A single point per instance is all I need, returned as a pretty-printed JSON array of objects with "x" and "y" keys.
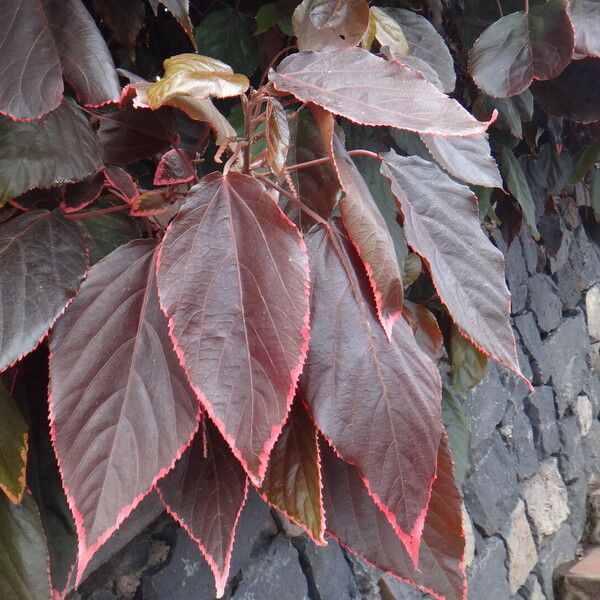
[
  {"x": 459, "y": 433},
  {"x": 23, "y": 551},
  {"x": 467, "y": 363},
  {"x": 484, "y": 197},
  {"x": 558, "y": 168},
  {"x": 511, "y": 111},
  {"x": 226, "y": 35},
  {"x": 595, "y": 194},
  {"x": 13, "y": 447},
  {"x": 584, "y": 160},
  {"x": 266, "y": 17},
  {"x": 515, "y": 179}
]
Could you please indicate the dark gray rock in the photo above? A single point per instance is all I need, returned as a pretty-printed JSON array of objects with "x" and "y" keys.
[
  {"x": 591, "y": 387},
  {"x": 571, "y": 457},
  {"x": 365, "y": 576},
  {"x": 398, "y": 590},
  {"x": 591, "y": 447},
  {"x": 273, "y": 574},
  {"x": 533, "y": 254},
  {"x": 526, "y": 459},
  {"x": 591, "y": 263},
  {"x": 541, "y": 410},
  {"x": 491, "y": 489},
  {"x": 544, "y": 302},
  {"x": 531, "y": 589},
  {"x": 532, "y": 343},
  {"x": 524, "y": 363},
  {"x": 489, "y": 575},
  {"x": 516, "y": 275},
  {"x": 577, "y": 493}
]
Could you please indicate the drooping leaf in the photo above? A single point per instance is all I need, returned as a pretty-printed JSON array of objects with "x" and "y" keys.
[
  {"x": 557, "y": 168},
  {"x": 179, "y": 9},
  {"x": 425, "y": 328},
  {"x": 43, "y": 41},
  {"x": 371, "y": 237},
  {"x": 511, "y": 111},
  {"x": 441, "y": 223},
  {"x": 59, "y": 148},
  {"x": 238, "y": 309},
  {"x": 205, "y": 493},
  {"x": 467, "y": 363},
  {"x": 458, "y": 431},
  {"x": 366, "y": 89},
  {"x": 329, "y": 24},
  {"x": 226, "y": 35},
  {"x": 23, "y": 552},
  {"x": 200, "y": 77},
  {"x": 355, "y": 520},
  {"x": 13, "y": 448},
  {"x": 388, "y": 30},
  {"x": 388, "y": 390},
  {"x": 466, "y": 158},
  {"x": 517, "y": 185},
  {"x": 43, "y": 256},
  {"x": 173, "y": 168},
  {"x": 584, "y": 160},
  {"x": 292, "y": 483},
  {"x": 585, "y": 15},
  {"x": 277, "y": 134},
  {"x": 123, "y": 17},
  {"x": 521, "y": 47},
  {"x": 121, "y": 411}
]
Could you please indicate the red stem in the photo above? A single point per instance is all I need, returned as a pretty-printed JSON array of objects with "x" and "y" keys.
[
  {"x": 96, "y": 213},
  {"x": 326, "y": 159}
]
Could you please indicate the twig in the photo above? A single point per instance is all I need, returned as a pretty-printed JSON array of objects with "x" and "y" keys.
[
  {"x": 500, "y": 8},
  {"x": 326, "y": 159}
]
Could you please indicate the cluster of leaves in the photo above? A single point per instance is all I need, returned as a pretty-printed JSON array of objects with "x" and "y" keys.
[{"x": 237, "y": 292}]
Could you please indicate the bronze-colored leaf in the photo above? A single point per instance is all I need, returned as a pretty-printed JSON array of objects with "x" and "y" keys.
[{"x": 277, "y": 135}]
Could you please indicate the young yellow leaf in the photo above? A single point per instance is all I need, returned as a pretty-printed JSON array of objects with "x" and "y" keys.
[{"x": 388, "y": 31}]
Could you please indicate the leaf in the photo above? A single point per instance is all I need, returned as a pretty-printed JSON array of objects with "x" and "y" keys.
[
  {"x": 341, "y": 80},
  {"x": 76, "y": 196},
  {"x": 468, "y": 364},
  {"x": 585, "y": 15},
  {"x": 121, "y": 411},
  {"x": 44, "y": 41},
  {"x": 369, "y": 234},
  {"x": 564, "y": 96},
  {"x": 266, "y": 17},
  {"x": 205, "y": 493},
  {"x": 584, "y": 160},
  {"x": 123, "y": 17},
  {"x": 511, "y": 111},
  {"x": 441, "y": 224},
  {"x": 173, "y": 169},
  {"x": 389, "y": 391},
  {"x": 179, "y": 9},
  {"x": 354, "y": 520},
  {"x": 42, "y": 256},
  {"x": 517, "y": 185},
  {"x": 151, "y": 203},
  {"x": 23, "y": 552},
  {"x": 226, "y": 35},
  {"x": 459, "y": 434},
  {"x": 238, "y": 309},
  {"x": 277, "y": 135},
  {"x": 13, "y": 448},
  {"x": 425, "y": 328},
  {"x": 200, "y": 77},
  {"x": 388, "y": 31},
  {"x": 557, "y": 168},
  {"x": 292, "y": 483},
  {"x": 521, "y": 47},
  {"x": 120, "y": 183},
  {"x": 60, "y": 148},
  {"x": 330, "y": 24},
  {"x": 131, "y": 134},
  {"x": 466, "y": 158}
]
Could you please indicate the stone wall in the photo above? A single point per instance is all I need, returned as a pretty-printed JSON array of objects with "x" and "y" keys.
[{"x": 531, "y": 456}]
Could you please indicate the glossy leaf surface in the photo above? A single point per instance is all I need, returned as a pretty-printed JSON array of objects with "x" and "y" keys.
[
  {"x": 356, "y": 84},
  {"x": 121, "y": 411},
  {"x": 388, "y": 391},
  {"x": 233, "y": 279},
  {"x": 354, "y": 519},
  {"x": 43, "y": 255},
  {"x": 521, "y": 47},
  {"x": 585, "y": 15},
  {"x": 292, "y": 483},
  {"x": 44, "y": 41},
  {"x": 441, "y": 223},
  {"x": 13, "y": 447},
  {"x": 205, "y": 493}
]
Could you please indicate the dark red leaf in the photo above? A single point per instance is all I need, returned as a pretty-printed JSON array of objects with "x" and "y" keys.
[
  {"x": 123, "y": 17},
  {"x": 76, "y": 196},
  {"x": 293, "y": 480},
  {"x": 441, "y": 223},
  {"x": 121, "y": 183},
  {"x": 44, "y": 41},
  {"x": 205, "y": 493},
  {"x": 369, "y": 233},
  {"x": 585, "y": 15},
  {"x": 121, "y": 411},
  {"x": 173, "y": 168},
  {"x": 354, "y": 519},
  {"x": 233, "y": 279},
  {"x": 369, "y": 90},
  {"x": 388, "y": 391},
  {"x": 425, "y": 329},
  {"x": 521, "y": 47},
  {"x": 43, "y": 256}
]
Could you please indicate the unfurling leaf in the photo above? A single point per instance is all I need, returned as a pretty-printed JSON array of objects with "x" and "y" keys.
[
  {"x": 441, "y": 223},
  {"x": 42, "y": 42},
  {"x": 330, "y": 24},
  {"x": 389, "y": 391},
  {"x": 233, "y": 279},
  {"x": 277, "y": 135},
  {"x": 24, "y": 556},
  {"x": 585, "y": 15},
  {"x": 369, "y": 90},
  {"x": 467, "y": 363},
  {"x": 43, "y": 256},
  {"x": 292, "y": 483},
  {"x": 355, "y": 520},
  {"x": 205, "y": 493},
  {"x": 521, "y": 47},
  {"x": 369, "y": 233},
  {"x": 197, "y": 76},
  {"x": 121, "y": 410},
  {"x": 173, "y": 168},
  {"x": 388, "y": 31},
  {"x": 13, "y": 448}
]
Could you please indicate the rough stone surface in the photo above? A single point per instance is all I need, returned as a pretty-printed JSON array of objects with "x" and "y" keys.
[
  {"x": 526, "y": 459},
  {"x": 591, "y": 446},
  {"x": 489, "y": 572},
  {"x": 595, "y": 357},
  {"x": 585, "y": 414},
  {"x": 592, "y": 308},
  {"x": 533, "y": 345},
  {"x": 558, "y": 549},
  {"x": 541, "y": 410},
  {"x": 571, "y": 457},
  {"x": 546, "y": 499},
  {"x": 545, "y": 302},
  {"x": 577, "y": 493},
  {"x": 532, "y": 589},
  {"x": 593, "y": 533}
]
